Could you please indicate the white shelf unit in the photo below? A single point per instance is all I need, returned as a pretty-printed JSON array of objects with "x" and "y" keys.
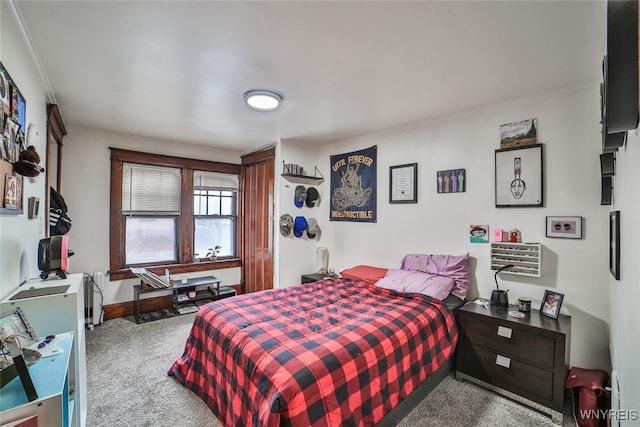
[
  {"x": 56, "y": 314},
  {"x": 526, "y": 258}
]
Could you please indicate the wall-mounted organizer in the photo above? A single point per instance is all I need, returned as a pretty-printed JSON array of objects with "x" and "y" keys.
[
  {"x": 294, "y": 173},
  {"x": 526, "y": 258}
]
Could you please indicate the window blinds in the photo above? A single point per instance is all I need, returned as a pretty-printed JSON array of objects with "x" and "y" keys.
[
  {"x": 150, "y": 189},
  {"x": 215, "y": 180}
]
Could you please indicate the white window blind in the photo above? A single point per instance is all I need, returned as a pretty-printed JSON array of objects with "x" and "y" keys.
[
  {"x": 150, "y": 189},
  {"x": 215, "y": 180}
]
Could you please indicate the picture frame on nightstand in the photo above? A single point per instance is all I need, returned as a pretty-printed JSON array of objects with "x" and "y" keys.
[{"x": 551, "y": 303}]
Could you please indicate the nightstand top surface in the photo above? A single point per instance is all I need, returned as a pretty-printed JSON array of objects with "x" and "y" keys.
[{"x": 534, "y": 318}]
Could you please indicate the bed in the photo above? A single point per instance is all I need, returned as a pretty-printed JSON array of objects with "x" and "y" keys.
[{"x": 341, "y": 351}]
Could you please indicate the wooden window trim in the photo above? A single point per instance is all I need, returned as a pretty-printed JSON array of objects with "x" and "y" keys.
[{"x": 186, "y": 221}]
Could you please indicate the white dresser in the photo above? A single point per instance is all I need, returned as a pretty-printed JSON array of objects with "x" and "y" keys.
[{"x": 56, "y": 314}]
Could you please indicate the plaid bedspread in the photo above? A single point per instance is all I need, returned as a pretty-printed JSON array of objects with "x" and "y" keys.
[{"x": 337, "y": 352}]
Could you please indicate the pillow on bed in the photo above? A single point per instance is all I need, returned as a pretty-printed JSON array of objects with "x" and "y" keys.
[
  {"x": 455, "y": 267},
  {"x": 417, "y": 282},
  {"x": 365, "y": 273}
]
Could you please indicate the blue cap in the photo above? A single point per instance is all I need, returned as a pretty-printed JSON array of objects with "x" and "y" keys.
[
  {"x": 300, "y": 196},
  {"x": 299, "y": 225}
]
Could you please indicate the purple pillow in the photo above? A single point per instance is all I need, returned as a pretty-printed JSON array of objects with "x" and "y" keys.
[
  {"x": 455, "y": 267},
  {"x": 417, "y": 282}
]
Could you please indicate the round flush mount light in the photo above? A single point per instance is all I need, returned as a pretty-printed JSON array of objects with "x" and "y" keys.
[{"x": 262, "y": 100}]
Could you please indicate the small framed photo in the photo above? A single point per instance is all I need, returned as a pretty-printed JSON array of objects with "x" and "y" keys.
[
  {"x": 566, "y": 227},
  {"x": 551, "y": 303},
  {"x": 403, "y": 183},
  {"x": 451, "y": 181},
  {"x": 12, "y": 192}
]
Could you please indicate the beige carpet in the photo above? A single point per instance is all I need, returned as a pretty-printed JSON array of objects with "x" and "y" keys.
[{"x": 128, "y": 386}]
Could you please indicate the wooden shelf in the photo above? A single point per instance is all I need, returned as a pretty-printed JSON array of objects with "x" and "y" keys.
[
  {"x": 526, "y": 258},
  {"x": 302, "y": 179}
]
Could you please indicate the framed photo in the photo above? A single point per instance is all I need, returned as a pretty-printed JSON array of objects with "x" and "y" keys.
[
  {"x": 614, "y": 244},
  {"x": 403, "y": 183},
  {"x": 551, "y": 303},
  {"x": 12, "y": 192},
  {"x": 567, "y": 227},
  {"x": 519, "y": 177},
  {"x": 451, "y": 181}
]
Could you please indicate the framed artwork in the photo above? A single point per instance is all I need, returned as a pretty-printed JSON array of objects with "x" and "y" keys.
[
  {"x": 614, "y": 244},
  {"x": 479, "y": 233},
  {"x": 567, "y": 227},
  {"x": 12, "y": 192},
  {"x": 451, "y": 181},
  {"x": 520, "y": 133},
  {"x": 551, "y": 303},
  {"x": 403, "y": 183},
  {"x": 519, "y": 177}
]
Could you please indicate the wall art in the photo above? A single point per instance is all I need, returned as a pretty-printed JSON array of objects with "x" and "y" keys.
[
  {"x": 451, "y": 181},
  {"x": 614, "y": 244},
  {"x": 567, "y": 227},
  {"x": 353, "y": 186},
  {"x": 403, "y": 183},
  {"x": 519, "y": 133},
  {"x": 519, "y": 177}
]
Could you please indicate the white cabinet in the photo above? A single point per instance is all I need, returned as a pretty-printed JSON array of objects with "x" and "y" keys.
[
  {"x": 525, "y": 259},
  {"x": 56, "y": 314}
]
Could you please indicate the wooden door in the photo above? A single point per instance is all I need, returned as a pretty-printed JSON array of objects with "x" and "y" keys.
[{"x": 257, "y": 220}]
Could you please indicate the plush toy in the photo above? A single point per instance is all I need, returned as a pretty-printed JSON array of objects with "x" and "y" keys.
[{"x": 27, "y": 164}]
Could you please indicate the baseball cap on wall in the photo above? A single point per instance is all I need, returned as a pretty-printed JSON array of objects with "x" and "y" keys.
[
  {"x": 299, "y": 226},
  {"x": 312, "y": 197},
  {"x": 286, "y": 224},
  {"x": 300, "y": 196},
  {"x": 312, "y": 228}
]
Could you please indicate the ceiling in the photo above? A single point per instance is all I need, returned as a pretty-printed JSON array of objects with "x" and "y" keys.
[{"x": 177, "y": 70}]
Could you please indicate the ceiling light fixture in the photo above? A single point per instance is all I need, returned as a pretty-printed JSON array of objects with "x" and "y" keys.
[{"x": 262, "y": 100}]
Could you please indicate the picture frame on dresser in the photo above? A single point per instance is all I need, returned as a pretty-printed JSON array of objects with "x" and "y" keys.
[{"x": 551, "y": 303}]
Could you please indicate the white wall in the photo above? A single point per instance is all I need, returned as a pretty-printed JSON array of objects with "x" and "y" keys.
[
  {"x": 625, "y": 293},
  {"x": 568, "y": 126},
  {"x": 296, "y": 255},
  {"x": 17, "y": 233},
  {"x": 85, "y": 187}
]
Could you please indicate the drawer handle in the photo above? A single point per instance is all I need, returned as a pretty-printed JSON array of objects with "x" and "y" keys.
[
  {"x": 505, "y": 362},
  {"x": 504, "y": 332}
]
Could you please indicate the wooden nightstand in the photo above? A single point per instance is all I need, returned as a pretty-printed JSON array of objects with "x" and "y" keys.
[
  {"x": 524, "y": 359},
  {"x": 312, "y": 277}
]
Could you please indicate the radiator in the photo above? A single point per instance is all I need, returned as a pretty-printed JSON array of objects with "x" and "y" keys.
[{"x": 93, "y": 299}]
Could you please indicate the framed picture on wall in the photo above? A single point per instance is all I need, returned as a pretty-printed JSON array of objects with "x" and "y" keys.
[
  {"x": 614, "y": 244},
  {"x": 519, "y": 177},
  {"x": 403, "y": 183},
  {"x": 567, "y": 227}
]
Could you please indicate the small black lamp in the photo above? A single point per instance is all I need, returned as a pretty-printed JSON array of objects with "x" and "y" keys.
[{"x": 499, "y": 298}]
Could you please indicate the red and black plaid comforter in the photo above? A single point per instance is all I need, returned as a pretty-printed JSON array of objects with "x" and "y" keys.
[{"x": 332, "y": 353}]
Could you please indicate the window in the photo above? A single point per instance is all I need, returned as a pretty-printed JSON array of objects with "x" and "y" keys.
[
  {"x": 214, "y": 209},
  {"x": 170, "y": 212},
  {"x": 150, "y": 207}
]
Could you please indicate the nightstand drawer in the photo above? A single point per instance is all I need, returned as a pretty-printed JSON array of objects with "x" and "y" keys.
[
  {"x": 506, "y": 338},
  {"x": 503, "y": 371}
]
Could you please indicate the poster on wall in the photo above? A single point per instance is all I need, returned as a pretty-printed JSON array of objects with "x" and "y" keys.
[{"x": 353, "y": 186}]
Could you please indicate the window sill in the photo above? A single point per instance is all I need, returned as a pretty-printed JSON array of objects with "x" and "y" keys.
[{"x": 178, "y": 268}]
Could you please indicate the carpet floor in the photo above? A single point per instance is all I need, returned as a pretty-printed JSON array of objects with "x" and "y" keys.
[{"x": 128, "y": 385}]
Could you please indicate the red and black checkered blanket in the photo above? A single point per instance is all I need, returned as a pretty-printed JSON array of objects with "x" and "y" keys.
[{"x": 337, "y": 352}]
